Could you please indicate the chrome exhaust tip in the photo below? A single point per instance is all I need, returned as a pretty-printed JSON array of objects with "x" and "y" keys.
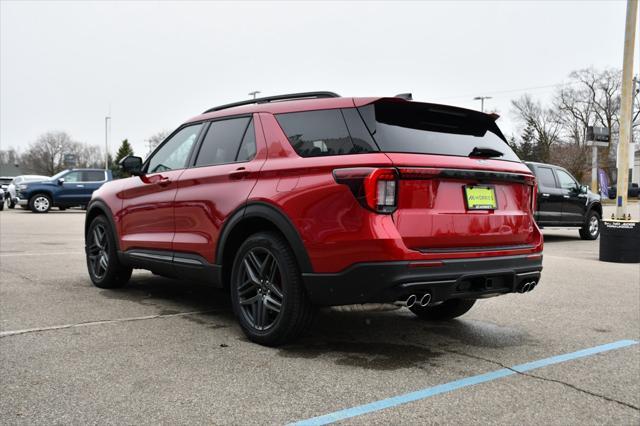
[
  {"x": 424, "y": 300},
  {"x": 411, "y": 300},
  {"x": 524, "y": 288},
  {"x": 532, "y": 285}
]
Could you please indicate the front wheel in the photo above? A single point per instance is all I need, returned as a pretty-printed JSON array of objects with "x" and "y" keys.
[
  {"x": 105, "y": 270},
  {"x": 450, "y": 309},
  {"x": 40, "y": 203},
  {"x": 591, "y": 228},
  {"x": 266, "y": 291}
]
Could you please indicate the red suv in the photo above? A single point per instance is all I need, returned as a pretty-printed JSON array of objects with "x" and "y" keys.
[{"x": 312, "y": 199}]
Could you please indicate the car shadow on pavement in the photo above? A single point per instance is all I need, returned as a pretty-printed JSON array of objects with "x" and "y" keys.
[
  {"x": 374, "y": 337},
  {"x": 551, "y": 238}
]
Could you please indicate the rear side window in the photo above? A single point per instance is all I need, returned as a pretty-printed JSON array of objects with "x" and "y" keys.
[
  {"x": 421, "y": 128},
  {"x": 221, "y": 144},
  {"x": 323, "y": 132},
  {"x": 545, "y": 177},
  {"x": 92, "y": 176}
]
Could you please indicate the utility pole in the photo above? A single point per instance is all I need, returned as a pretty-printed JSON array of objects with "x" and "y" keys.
[
  {"x": 626, "y": 99},
  {"x": 481, "y": 99},
  {"x": 254, "y": 93},
  {"x": 107, "y": 120}
]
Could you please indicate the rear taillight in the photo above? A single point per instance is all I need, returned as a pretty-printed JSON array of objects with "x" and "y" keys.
[{"x": 375, "y": 189}]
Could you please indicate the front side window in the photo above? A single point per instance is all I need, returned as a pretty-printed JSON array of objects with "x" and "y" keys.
[
  {"x": 566, "y": 181},
  {"x": 72, "y": 177},
  {"x": 174, "y": 153},
  {"x": 221, "y": 144}
]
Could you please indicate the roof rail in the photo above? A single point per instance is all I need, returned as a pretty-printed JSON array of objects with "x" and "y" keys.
[{"x": 303, "y": 95}]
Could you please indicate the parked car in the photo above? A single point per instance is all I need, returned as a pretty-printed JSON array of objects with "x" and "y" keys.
[
  {"x": 12, "y": 191},
  {"x": 298, "y": 201},
  {"x": 69, "y": 188},
  {"x": 2, "y": 195},
  {"x": 562, "y": 201},
  {"x": 4, "y": 182},
  {"x": 632, "y": 192}
]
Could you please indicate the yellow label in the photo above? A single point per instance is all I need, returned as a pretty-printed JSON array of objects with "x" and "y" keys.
[{"x": 481, "y": 197}]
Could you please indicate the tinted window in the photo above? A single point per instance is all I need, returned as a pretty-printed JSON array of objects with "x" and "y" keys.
[
  {"x": 545, "y": 177},
  {"x": 174, "y": 153},
  {"x": 566, "y": 181},
  {"x": 318, "y": 133},
  {"x": 222, "y": 141},
  {"x": 360, "y": 136},
  {"x": 93, "y": 176},
  {"x": 248, "y": 147},
  {"x": 433, "y": 129}
]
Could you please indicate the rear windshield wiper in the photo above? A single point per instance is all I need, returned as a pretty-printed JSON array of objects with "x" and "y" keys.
[{"x": 479, "y": 151}]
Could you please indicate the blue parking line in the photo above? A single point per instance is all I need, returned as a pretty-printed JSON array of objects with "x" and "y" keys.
[{"x": 458, "y": 384}]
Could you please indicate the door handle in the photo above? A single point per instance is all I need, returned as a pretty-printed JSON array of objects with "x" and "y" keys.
[
  {"x": 164, "y": 181},
  {"x": 238, "y": 173},
  {"x": 79, "y": 186}
]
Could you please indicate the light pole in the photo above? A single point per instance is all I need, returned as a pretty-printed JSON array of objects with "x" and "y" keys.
[
  {"x": 107, "y": 120},
  {"x": 481, "y": 99},
  {"x": 254, "y": 93}
]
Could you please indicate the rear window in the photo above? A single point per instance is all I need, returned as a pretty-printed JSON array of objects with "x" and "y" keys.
[
  {"x": 421, "y": 128},
  {"x": 325, "y": 132}
]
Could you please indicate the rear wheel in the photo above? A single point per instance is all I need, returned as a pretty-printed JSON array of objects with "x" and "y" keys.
[
  {"x": 40, "y": 203},
  {"x": 105, "y": 269},
  {"x": 591, "y": 228},
  {"x": 445, "y": 311},
  {"x": 266, "y": 291}
]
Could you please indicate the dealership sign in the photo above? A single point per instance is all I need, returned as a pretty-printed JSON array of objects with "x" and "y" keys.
[{"x": 598, "y": 136}]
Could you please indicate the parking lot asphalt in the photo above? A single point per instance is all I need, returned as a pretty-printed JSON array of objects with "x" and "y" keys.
[{"x": 165, "y": 351}]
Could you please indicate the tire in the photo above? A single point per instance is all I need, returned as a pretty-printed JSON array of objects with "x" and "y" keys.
[
  {"x": 591, "y": 228},
  {"x": 266, "y": 289},
  {"x": 450, "y": 309},
  {"x": 40, "y": 203},
  {"x": 105, "y": 270},
  {"x": 11, "y": 204},
  {"x": 62, "y": 208},
  {"x": 1, "y": 206}
]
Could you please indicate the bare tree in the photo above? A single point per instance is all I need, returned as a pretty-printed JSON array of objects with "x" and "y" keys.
[
  {"x": 543, "y": 122},
  {"x": 10, "y": 156},
  {"x": 46, "y": 154},
  {"x": 155, "y": 140}
]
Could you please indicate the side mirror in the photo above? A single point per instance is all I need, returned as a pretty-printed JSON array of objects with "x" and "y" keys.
[
  {"x": 132, "y": 165},
  {"x": 60, "y": 181},
  {"x": 583, "y": 189}
]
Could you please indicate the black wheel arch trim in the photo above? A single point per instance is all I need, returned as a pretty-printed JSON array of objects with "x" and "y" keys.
[
  {"x": 279, "y": 219},
  {"x": 99, "y": 204}
]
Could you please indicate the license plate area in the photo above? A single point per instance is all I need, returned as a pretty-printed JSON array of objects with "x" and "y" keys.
[{"x": 480, "y": 197}]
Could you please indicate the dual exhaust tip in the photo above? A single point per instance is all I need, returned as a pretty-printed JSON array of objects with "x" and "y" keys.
[
  {"x": 413, "y": 300},
  {"x": 526, "y": 287}
]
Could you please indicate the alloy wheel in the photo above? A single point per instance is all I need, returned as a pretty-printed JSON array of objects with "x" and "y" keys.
[
  {"x": 259, "y": 288},
  {"x": 593, "y": 226},
  {"x": 99, "y": 251},
  {"x": 41, "y": 203}
]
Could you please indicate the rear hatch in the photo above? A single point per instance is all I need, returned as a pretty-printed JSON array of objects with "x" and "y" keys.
[{"x": 461, "y": 187}]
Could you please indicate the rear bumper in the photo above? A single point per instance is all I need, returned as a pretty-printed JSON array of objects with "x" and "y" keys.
[{"x": 447, "y": 279}]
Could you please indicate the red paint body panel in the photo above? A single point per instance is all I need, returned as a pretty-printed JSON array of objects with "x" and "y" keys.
[
  {"x": 188, "y": 213},
  {"x": 208, "y": 195}
]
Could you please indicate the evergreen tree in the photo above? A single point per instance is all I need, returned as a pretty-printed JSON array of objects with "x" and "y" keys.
[{"x": 124, "y": 150}]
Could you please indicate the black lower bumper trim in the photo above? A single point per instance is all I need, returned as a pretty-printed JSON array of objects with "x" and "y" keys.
[{"x": 455, "y": 278}]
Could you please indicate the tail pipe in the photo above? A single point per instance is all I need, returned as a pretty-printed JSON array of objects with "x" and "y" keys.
[
  {"x": 408, "y": 302},
  {"x": 527, "y": 286}
]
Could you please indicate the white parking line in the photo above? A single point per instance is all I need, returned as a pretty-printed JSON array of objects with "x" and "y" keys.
[
  {"x": 49, "y": 253},
  {"x": 99, "y": 322}
]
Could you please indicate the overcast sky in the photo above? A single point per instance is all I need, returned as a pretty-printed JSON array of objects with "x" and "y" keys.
[{"x": 155, "y": 64}]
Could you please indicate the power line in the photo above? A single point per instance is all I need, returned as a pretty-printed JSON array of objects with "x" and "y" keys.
[{"x": 498, "y": 92}]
